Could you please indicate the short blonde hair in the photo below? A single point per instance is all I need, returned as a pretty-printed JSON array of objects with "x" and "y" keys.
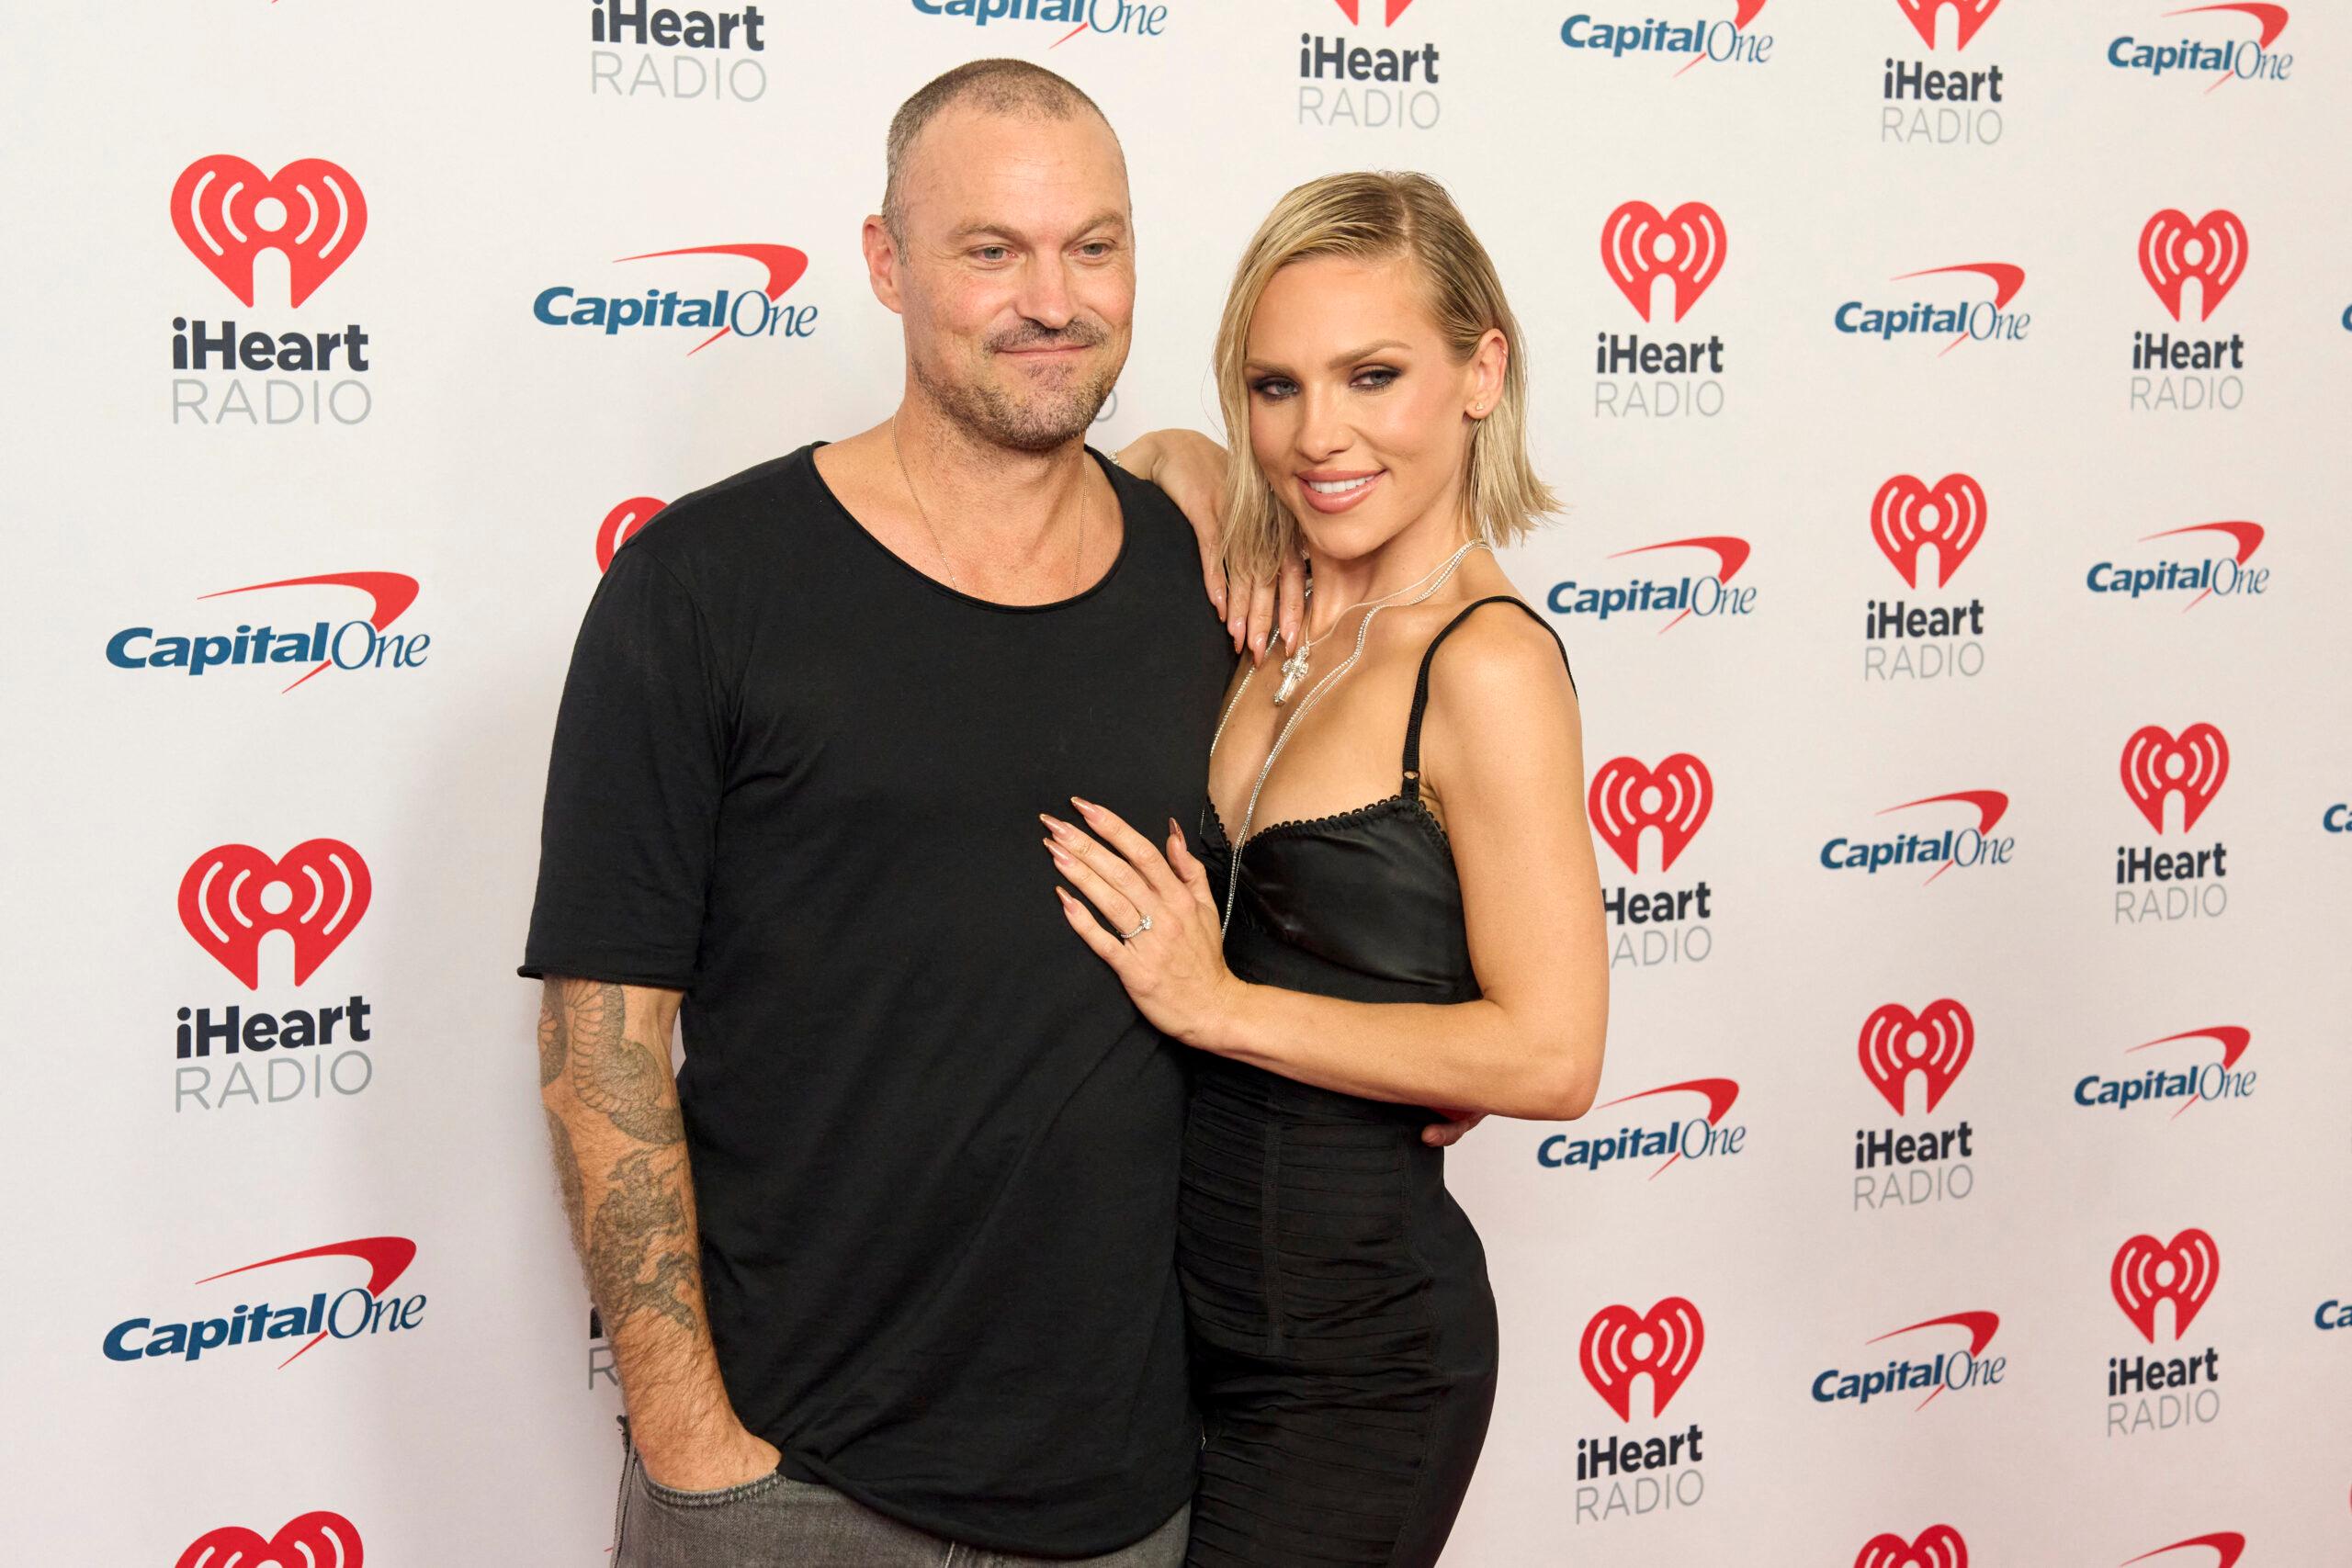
[{"x": 1374, "y": 217}]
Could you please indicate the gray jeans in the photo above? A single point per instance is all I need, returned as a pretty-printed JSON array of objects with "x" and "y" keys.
[{"x": 777, "y": 1522}]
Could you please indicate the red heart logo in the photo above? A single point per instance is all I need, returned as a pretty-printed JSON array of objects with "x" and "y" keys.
[
  {"x": 2218, "y": 241},
  {"x": 1686, "y": 792},
  {"x": 620, "y": 523},
  {"x": 1637, "y": 245},
  {"x": 1612, "y": 1361},
  {"x": 1900, "y": 524},
  {"x": 1937, "y": 1546},
  {"x": 317, "y": 1539},
  {"x": 1974, "y": 14},
  {"x": 2194, "y": 1263},
  {"x": 2204, "y": 764},
  {"x": 221, "y": 903},
  {"x": 216, "y": 207},
  {"x": 1949, "y": 1038}
]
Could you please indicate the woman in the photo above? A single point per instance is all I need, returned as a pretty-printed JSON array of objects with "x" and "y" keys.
[{"x": 1405, "y": 913}]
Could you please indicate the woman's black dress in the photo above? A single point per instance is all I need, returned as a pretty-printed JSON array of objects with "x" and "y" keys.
[{"x": 1342, "y": 1331}]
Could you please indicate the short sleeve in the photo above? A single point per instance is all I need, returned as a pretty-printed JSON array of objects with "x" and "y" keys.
[{"x": 634, "y": 782}]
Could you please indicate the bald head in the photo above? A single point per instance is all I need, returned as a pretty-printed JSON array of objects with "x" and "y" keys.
[{"x": 988, "y": 86}]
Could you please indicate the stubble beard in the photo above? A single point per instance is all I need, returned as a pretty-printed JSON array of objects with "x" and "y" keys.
[{"x": 1053, "y": 417}]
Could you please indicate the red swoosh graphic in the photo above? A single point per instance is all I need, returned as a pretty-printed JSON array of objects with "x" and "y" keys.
[
  {"x": 1730, "y": 552},
  {"x": 1719, "y": 1093},
  {"x": 1743, "y": 14},
  {"x": 785, "y": 267},
  {"x": 1991, "y": 805},
  {"x": 2006, "y": 278},
  {"x": 392, "y": 591},
  {"x": 2272, "y": 18},
  {"x": 385, "y": 1256},
  {"x": 2229, "y": 1544},
  {"x": 1979, "y": 1326},
  {"x": 2232, "y": 1039},
  {"x": 2247, "y": 535}
]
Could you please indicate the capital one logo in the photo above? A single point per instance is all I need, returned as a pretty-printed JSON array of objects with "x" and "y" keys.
[
  {"x": 1969, "y": 15},
  {"x": 1937, "y": 1546},
  {"x": 228, "y": 212},
  {"x": 2211, "y": 250},
  {"x": 1936, "y": 1042},
  {"x": 1620, "y": 1345},
  {"x": 351, "y": 1314},
  {"x": 1626, "y": 798},
  {"x": 2227, "y": 1547},
  {"x": 620, "y": 523},
  {"x": 2157, "y": 764},
  {"x": 1907, "y": 514},
  {"x": 235, "y": 895},
  {"x": 1695, "y": 1138},
  {"x": 2213, "y": 1080},
  {"x": 2147, "y": 1272},
  {"x": 745, "y": 313},
  {"x": 321, "y": 1539},
  {"x": 1640, "y": 245}
]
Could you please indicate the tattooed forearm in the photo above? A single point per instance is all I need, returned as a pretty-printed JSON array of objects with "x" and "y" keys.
[
  {"x": 567, "y": 1175},
  {"x": 620, "y": 1076},
  {"x": 554, "y": 1044},
  {"x": 641, "y": 1254}
]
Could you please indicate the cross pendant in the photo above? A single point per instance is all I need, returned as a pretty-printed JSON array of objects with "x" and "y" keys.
[{"x": 1294, "y": 671}]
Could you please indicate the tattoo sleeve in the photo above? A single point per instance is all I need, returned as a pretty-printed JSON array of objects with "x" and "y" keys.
[
  {"x": 627, "y": 1080},
  {"x": 621, "y": 1159}
]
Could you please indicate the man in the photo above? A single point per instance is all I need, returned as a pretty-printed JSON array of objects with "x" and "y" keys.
[{"x": 888, "y": 1269}]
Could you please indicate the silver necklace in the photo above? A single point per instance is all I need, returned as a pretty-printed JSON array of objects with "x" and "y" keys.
[
  {"x": 1077, "y": 565},
  {"x": 1297, "y": 668},
  {"x": 1250, "y": 812}
]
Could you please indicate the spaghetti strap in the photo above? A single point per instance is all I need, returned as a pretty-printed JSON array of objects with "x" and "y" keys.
[{"x": 1412, "y": 784}]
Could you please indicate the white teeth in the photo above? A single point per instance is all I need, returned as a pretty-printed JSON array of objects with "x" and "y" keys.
[{"x": 1338, "y": 487}]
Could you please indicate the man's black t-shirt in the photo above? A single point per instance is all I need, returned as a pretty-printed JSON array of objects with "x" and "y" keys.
[{"x": 935, "y": 1146}]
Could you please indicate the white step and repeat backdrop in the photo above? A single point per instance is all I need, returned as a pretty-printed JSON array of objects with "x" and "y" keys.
[{"x": 1951, "y": 401}]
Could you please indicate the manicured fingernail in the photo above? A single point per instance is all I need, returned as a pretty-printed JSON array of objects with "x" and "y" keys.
[
  {"x": 1061, "y": 856},
  {"x": 1055, "y": 825}
]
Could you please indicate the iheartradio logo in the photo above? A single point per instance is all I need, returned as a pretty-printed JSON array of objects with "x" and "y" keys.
[
  {"x": 227, "y": 212},
  {"x": 2157, "y": 764},
  {"x": 1908, "y": 514},
  {"x": 1627, "y": 796},
  {"x": 1394, "y": 9},
  {"x": 1639, "y": 245},
  {"x": 2146, "y": 1271},
  {"x": 1937, "y": 1546},
  {"x": 2211, "y": 250},
  {"x": 620, "y": 523},
  {"x": 1971, "y": 15},
  {"x": 235, "y": 895},
  {"x": 1619, "y": 1343},
  {"x": 318, "y": 1539},
  {"x": 1936, "y": 1042}
]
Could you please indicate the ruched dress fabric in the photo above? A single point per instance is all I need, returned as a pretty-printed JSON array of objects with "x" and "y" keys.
[{"x": 1342, "y": 1331}]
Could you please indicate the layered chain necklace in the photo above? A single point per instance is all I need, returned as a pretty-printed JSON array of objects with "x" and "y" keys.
[
  {"x": 1297, "y": 668},
  {"x": 1250, "y": 812},
  {"x": 1077, "y": 565}
]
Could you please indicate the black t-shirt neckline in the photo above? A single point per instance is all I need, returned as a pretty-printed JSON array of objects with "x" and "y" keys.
[{"x": 834, "y": 505}]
